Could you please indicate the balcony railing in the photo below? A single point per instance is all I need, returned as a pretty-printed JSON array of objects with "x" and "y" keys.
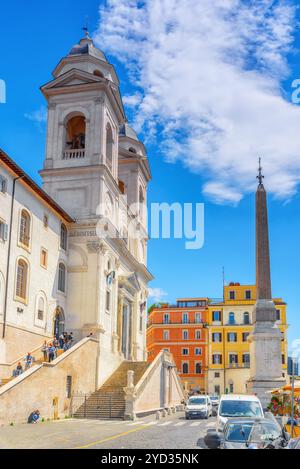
[
  {"x": 182, "y": 323},
  {"x": 24, "y": 239},
  {"x": 239, "y": 365},
  {"x": 74, "y": 154}
]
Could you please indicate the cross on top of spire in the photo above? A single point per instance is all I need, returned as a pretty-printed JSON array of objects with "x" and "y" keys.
[
  {"x": 86, "y": 28},
  {"x": 260, "y": 176}
]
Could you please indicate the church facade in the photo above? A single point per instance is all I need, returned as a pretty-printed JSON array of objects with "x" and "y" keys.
[{"x": 74, "y": 253}]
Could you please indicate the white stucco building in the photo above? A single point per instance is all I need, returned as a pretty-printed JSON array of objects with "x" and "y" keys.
[{"x": 73, "y": 255}]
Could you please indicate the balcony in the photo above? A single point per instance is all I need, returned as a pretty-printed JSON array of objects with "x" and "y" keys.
[
  {"x": 238, "y": 365},
  {"x": 173, "y": 323},
  {"x": 74, "y": 154}
]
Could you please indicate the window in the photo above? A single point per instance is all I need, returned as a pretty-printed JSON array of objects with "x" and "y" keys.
[
  {"x": 109, "y": 147},
  {"x": 142, "y": 207},
  {"x": 166, "y": 318},
  {"x": 217, "y": 337},
  {"x": 198, "y": 335},
  {"x": 278, "y": 318},
  {"x": 248, "y": 294},
  {"x": 22, "y": 278},
  {"x": 24, "y": 235},
  {"x": 108, "y": 301},
  {"x": 245, "y": 336},
  {"x": 44, "y": 258},
  {"x": 232, "y": 295},
  {"x": 185, "y": 368},
  {"x": 185, "y": 335},
  {"x": 198, "y": 351},
  {"x": 198, "y": 318},
  {"x": 216, "y": 315},
  {"x": 283, "y": 359},
  {"x": 246, "y": 358},
  {"x": 3, "y": 185},
  {"x": 217, "y": 389},
  {"x": 185, "y": 318},
  {"x": 246, "y": 318},
  {"x": 99, "y": 74},
  {"x": 46, "y": 220},
  {"x": 198, "y": 368},
  {"x": 75, "y": 137},
  {"x": 233, "y": 358},
  {"x": 3, "y": 231},
  {"x": 231, "y": 318},
  {"x": 69, "y": 387},
  {"x": 41, "y": 309},
  {"x": 217, "y": 359},
  {"x": 231, "y": 388},
  {"x": 166, "y": 335},
  {"x": 231, "y": 337},
  {"x": 185, "y": 351},
  {"x": 132, "y": 150},
  {"x": 217, "y": 375},
  {"x": 62, "y": 277},
  {"x": 63, "y": 237}
]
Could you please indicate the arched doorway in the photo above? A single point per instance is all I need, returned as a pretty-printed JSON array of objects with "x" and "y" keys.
[{"x": 59, "y": 322}]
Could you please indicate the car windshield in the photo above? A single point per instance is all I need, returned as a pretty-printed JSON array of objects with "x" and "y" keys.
[
  {"x": 240, "y": 409},
  {"x": 238, "y": 431},
  {"x": 214, "y": 398},
  {"x": 263, "y": 433},
  {"x": 197, "y": 400}
]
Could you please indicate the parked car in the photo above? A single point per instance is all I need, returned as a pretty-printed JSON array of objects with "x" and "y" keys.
[
  {"x": 215, "y": 400},
  {"x": 248, "y": 433},
  {"x": 238, "y": 406},
  {"x": 198, "y": 406},
  {"x": 294, "y": 443}
]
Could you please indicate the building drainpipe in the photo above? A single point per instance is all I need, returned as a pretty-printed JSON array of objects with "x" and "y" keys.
[
  {"x": 9, "y": 250},
  {"x": 224, "y": 359}
]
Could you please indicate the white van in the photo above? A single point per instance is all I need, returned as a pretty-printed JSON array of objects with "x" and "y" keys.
[
  {"x": 198, "y": 406},
  {"x": 238, "y": 405}
]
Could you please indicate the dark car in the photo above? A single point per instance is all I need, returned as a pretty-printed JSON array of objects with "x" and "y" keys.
[
  {"x": 294, "y": 443},
  {"x": 248, "y": 433}
]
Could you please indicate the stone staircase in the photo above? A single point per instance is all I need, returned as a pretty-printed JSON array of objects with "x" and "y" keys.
[
  {"x": 109, "y": 401},
  {"x": 38, "y": 361}
]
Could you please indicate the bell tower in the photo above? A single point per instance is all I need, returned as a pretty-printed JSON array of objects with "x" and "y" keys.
[{"x": 85, "y": 112}]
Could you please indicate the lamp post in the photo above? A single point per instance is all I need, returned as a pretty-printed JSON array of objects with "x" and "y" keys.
[{"x": 292, "y": 397}]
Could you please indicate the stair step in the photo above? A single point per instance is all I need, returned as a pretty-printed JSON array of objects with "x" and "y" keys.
[{"x": 109, "y": 400}]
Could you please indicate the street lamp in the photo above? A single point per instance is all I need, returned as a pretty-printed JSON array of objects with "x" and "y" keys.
[{"x": 292, "y": 397}]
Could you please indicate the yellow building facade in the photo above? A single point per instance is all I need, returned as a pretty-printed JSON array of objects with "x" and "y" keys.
[{"x": 230, "y": 322}]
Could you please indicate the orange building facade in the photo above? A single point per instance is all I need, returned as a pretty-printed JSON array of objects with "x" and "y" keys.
[{"x": 182, "y": 330}]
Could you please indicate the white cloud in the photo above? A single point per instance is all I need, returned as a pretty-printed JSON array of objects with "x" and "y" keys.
[
  {"x": 132, "y": 100},
  {"x": 157, "y": 294},
  {"x": 208, "y": 79},
  {"x": 39, "y": 116}
]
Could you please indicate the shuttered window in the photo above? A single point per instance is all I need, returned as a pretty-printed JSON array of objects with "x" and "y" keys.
[{"x": 21, "y": 284}]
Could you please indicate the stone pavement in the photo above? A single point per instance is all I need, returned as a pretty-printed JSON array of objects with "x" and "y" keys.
[{"x": 170, "y": 432}]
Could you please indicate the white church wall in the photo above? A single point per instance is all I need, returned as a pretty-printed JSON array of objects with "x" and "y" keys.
[{"x": 23, "y": 330}]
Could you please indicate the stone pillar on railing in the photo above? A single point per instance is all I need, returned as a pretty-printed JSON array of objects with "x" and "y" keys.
[{"x": 130, "y": 397}]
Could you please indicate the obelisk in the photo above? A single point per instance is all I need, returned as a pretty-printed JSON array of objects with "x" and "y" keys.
[{"x": 265, "y": 341}]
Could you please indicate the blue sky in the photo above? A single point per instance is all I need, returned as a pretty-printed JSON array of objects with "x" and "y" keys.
[{"x": 202, "y": 148}]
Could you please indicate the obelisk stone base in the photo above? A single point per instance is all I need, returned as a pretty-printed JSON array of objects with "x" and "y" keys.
[
  {"x": 262, "y": 388},
  {"x": 265, "y": 353}
]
